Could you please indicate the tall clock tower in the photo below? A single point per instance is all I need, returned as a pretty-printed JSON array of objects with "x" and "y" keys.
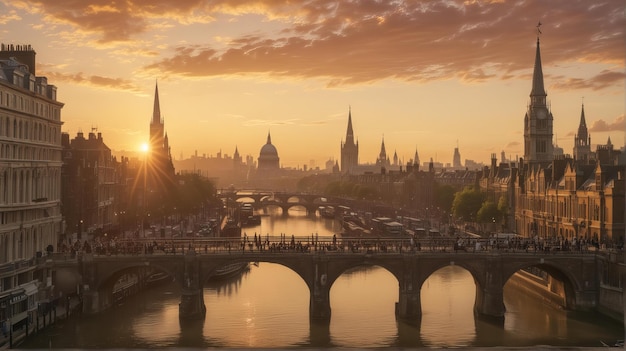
[{"x": 538, "y": 148}]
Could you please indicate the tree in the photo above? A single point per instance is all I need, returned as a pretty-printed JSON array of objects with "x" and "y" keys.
[
  {"x": 444, "y": 196},
  {"x": 467, "y": 203},
  {"x": 193, "y": 192},
  {"x": 488, "y": 213}
]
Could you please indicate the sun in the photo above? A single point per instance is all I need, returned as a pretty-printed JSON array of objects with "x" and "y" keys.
[{"x": 145, "y": 147}]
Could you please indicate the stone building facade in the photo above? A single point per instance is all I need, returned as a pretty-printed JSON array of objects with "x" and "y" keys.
[{"x": 30, "y": 181}]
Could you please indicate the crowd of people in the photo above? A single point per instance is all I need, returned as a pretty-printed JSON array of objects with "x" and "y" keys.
[{"x": 113, "y": 245}]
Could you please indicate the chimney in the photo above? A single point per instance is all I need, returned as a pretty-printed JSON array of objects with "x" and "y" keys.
[{"x": 22, "y": 53}]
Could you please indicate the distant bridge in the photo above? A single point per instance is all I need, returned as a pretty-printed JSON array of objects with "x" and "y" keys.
[
  {"x": 284, "y": 200},
  {"x": 320, "y": 263}
]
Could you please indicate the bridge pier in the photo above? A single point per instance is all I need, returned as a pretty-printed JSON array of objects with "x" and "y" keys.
[
  {"x": 191, "y": 305},
  {"x": 192, "y": 298},
  {"x": 489, "y": 303},
  {"x": 319, "y": 304},
  {"x": 409, "y": 305}
]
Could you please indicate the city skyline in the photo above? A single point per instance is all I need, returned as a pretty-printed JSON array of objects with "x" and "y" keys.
[{"x": 426, "y": 77}]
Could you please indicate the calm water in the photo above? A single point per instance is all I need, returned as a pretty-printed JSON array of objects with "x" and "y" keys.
[{"x": 268, "y": 306}]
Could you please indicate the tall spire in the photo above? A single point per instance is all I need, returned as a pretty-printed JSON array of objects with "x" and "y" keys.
[
  {"x": 582, "y": 127},
  {"x": 156, "y": 112},
  {"x": 383, "y": 152},
  {"x": 350, "y": 132},
  {"x": 269, "y": 138},
  {"x": 538, "y": 89}
]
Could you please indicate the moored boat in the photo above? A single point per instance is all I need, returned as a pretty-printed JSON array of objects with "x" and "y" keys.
[
  {"x": 157, "y": 278},
  {"x": 230, "y": 270}
]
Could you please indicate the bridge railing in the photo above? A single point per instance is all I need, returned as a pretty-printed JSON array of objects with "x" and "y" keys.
[{"x": 314, "y": 244}]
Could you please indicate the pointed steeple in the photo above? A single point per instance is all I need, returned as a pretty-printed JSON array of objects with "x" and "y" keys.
[
  {"x": 538, "y": 121},
  {"x": 383, "y": 152},
  {"x": 156, "y": 111},
  {"x": 269, "y": 138},
  {"x": 608, "y": 142},
  {"x": 582, "y": 126},
  {"x": 416, "y": 159},
  {"x": 350, "y": 132},
  {"x": 538, "y": 87}
]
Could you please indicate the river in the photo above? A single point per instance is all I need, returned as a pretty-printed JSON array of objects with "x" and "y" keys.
[{"x": 268, "y": 306}]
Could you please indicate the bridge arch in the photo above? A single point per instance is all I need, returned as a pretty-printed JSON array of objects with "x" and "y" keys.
[
  {"x": 570, "y": 283},
  {"x": 247, "y": 199},
  {"x": 320, "y": 268},
  {"x": 114, "y": 272},
  {"x": 100, "y": 287}
]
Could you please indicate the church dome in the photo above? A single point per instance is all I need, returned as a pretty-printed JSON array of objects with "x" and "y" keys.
[
  {"x": 268, "y": 157},
  {"x": 269, "y": 150}
]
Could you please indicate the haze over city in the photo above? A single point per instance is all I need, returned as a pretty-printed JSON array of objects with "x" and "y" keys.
[{"x": 426, "y": 76}]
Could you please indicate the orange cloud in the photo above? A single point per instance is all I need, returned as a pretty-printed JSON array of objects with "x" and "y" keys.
[
  {"x": 348, "y": 43},
  {"x": 96, "y": 81},
  {"x": 619, "y": 125},
  {"x": 600, "y": 81},
  {"x": 352, "y": 42}
]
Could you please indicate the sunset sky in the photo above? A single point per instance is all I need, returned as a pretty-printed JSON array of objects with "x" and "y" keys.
[{"x": 423, "y": 75}]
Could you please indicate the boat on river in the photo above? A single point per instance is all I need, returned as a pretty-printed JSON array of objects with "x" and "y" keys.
[
  {"x": 157, "y": 278},
  {"x": 230, "y": 270}
]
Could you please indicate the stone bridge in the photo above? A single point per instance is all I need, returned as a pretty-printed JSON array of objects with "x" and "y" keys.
[
  {"x": 320, "y": 268},
  {"x": 284, "y": 200}
]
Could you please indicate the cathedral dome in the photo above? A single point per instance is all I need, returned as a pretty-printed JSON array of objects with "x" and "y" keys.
[
  {"x": 269, "y": 150},
  {"x": 268, "y": 157}
]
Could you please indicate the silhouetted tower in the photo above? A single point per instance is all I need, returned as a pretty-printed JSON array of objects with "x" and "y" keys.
[
  {"x": 382, "y": 159},
  {"x": 237, "y": 158},
  {"x": 582, "y": 140},
  {"x": 349, "y": 149},
  {"x": 416, "y": 162},
  {"x": 456, "y": 159},
  {"x": 160, "y": 169},
  {"x": 538, "y": 121}
]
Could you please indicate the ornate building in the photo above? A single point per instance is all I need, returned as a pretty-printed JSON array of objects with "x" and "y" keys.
[
  {"x": 559, "y": 197},
  {"x": 538, "y": 148},
  {"x": 268, "y": 157},
  {"x": 349, "y": 149},
  {"x": 582, "y": 140},
  {"x": 30, "y": 182}
]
